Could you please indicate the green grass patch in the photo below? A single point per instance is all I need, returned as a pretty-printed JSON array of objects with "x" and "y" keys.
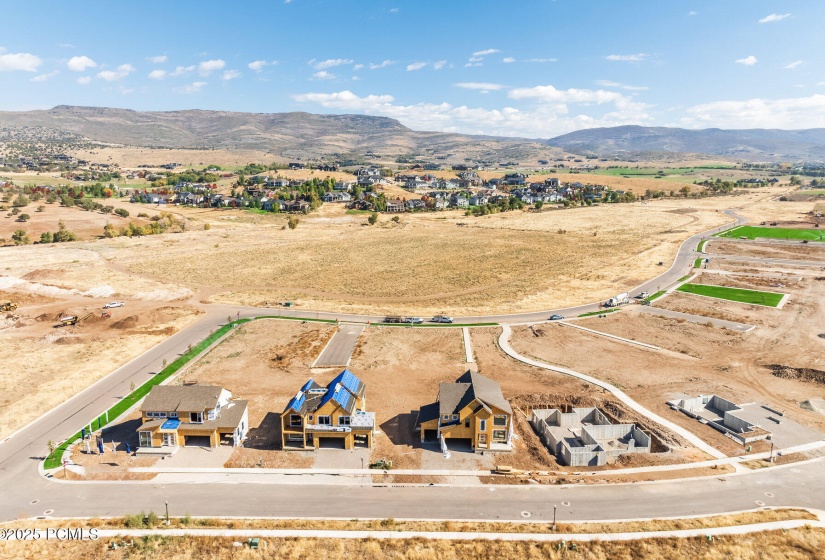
[
  {"x": 55, "y": 458},
  {"x": 769, "y": 299},
  {"x": 658, "y": 294},
  {"x": 752, "y": 232},
  {"x": 356, "y": 212},
  {"x": 701, "y": 245},
  {"x": 592, "y": 313},
  {"x": 685, "y": 277},
  {"x": 698, "y": 262}
]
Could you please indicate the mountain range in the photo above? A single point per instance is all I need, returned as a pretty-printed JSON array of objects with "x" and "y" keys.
[{"x": 309, "y": 135}]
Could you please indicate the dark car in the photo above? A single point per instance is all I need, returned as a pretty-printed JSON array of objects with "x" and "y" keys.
[{"x": 556, "y": 317}]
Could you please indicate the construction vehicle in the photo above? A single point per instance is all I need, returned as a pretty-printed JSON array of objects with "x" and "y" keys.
[
  {"x": 8, "y": 306},
  {"x": 620, "y": 299},
  {"x": 106, "y": 315},
  {"x": 384, "y": 464},
  {"x": 72, "y": 319}
]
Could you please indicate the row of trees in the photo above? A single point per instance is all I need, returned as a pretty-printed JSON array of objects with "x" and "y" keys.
[{"x": 62, "y": 235}]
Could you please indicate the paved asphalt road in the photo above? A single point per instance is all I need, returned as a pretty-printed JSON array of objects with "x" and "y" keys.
[
  {"x": 24, "y": 492},
  {"x": 339, "y": 348}
]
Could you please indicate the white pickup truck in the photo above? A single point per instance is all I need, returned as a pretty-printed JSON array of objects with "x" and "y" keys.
[{"x": 114, "y": 304}]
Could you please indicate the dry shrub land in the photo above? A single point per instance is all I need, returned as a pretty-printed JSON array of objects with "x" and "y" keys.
[{"x": 796, "y": 544}]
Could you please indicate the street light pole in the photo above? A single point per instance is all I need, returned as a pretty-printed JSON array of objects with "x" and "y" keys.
[
  {"x": 771, "y": 458},
  {"x": 167, "y": 513},
  {"x": 554, "y": 517}
]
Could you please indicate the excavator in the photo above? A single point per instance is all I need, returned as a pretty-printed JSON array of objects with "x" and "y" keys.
[
  {"x": 72, "y": 319},
  {"x": 8, "y": 306}
]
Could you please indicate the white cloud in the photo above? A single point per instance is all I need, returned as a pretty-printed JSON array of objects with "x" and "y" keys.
[
  {"x": 473, "y": 64},
  {"x": 19, "y": 61},
  {"x": 485, "y": 52},
  {"x": 544, "y": 121},
  {"x": 230, "y": 75},
  {"x": 323, "y": 75},
  {"x": 393, "y": 10},
  {"x": 208, "y": 66},
  {"x": 114, "y": 75},
  {"x": 157, "y": 74},
  {"x": 160, "y": 59},
  {"x": 257, "y": 65},
  {"x": 126, "y": 91},
  {"x": 439, "y": 65},
  {"x": 479, "y": 85},
  {"x": 508, "y": 60},
  {"x": 549, "y": 94},
  {"x": 747, "y": 61},
  {"x": 194, "y": 87},
  {"x": 358, "y": 67},
  {"x": 416, "y": 66},
  {"x": 640, "y": 57},
  {"x": 542, "y": 60},
  {"x": 330, "y": 63},
  {"x": 44, "y": 77},
  {"x": 773, "y": 18},
  {"x": 608, "y": 83},
  {"x": 181, "y": 70},
  {"x": 790, "y": 113},
  {"x": 692, "y": 13},
  {"x": 793, "y": 65},
  {"x": 383, "y": 64},
  {"x": 80, "y": 63},
  {"x": 83, "y": 80}
]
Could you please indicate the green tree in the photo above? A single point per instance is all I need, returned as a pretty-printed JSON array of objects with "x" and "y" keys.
[
  {"x": 46, "y": 237},
  {"x": 373, "y": 218},
  {"x": 41, "y": 208},
  {"x": 20, "y": 237},
  {"x": 685, "y": 191},
  {"x": 292, "y": 222},
  {"x": 63, "y": 235},
  {"x": 21, "y": 200},
  {"x": 122, "y": 212},
  {"x": 24, "y": 217},
  {"x": 109, "y": 231},
  {"x": 794, "y": 181},
  {"x": 538, "y": 204}
]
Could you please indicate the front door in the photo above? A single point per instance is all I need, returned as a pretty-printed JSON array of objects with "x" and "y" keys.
[
  {"x": 169, "y": 439},
  {"x": 482, "y": 440}
]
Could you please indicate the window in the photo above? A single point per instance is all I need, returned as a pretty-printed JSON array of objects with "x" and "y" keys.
[
  {"x": 295, "y": 420},
  {"x": 324, "y": 421},
  {"x": 482, "y": 425},
  {"x": 162, "y": 414},
  {"x": 196, "y": 417},
  {"x": 310, "y": 417},
  {"x": 145, "y": 439},
  {"x": 343, "y": 420},
  {"x": 455, "y": 417},
  {"x": 467, "y": 423},
  {"x": 173, "y": 415},
  {"x": 499, "y": 420},
  {"x": 499, "y": 435},
  {"x": 445, "y": 416}
]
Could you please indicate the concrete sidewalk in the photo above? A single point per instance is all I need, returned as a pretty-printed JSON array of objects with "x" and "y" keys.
[
  {"x": 338, "y": 351},
  {"x": 459, "y": 536},
  {"x": 699, "y": 319}
]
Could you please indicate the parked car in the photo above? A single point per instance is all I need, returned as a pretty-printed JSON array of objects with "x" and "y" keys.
[
  {"x": 441, "y": 319},
  {"x": 412, "y": 320},
  {"x": 642, "y": 295},
  {"x": 114, "y": 304},
  {"x": 556, "y": 317}
]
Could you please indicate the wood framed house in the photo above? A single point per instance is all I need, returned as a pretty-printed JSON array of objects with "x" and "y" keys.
[
  {"x": 331, "y": 415},
  {"x": 472, "y": 409},
  {"x": 191, "y": 415}
]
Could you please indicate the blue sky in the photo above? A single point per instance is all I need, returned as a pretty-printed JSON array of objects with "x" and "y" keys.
[{"x": 512, "y": 68}]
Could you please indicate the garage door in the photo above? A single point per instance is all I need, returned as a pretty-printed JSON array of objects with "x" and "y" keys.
[
  {"x": 331, "y": 442},
  {"x": 430, "y": 435},
  {"x": 196, "y": 441}
]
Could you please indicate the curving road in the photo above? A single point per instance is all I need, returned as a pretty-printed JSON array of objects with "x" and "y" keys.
[{"x": 26, "y": 493}]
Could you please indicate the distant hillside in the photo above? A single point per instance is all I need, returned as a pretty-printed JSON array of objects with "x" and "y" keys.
[
  {"x": 288, "y": 134},
  {"x": 753, "y": 144}
]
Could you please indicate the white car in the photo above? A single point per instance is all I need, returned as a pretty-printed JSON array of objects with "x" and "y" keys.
[
  {"x": 413, "y": 320},
  {"x": 441, "y": 319},
  {"x": 114, "y": 304}
]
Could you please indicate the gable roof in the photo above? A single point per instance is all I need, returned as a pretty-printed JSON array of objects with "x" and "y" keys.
[
  {"x": 452, "y": 397},
  {"x": 186, "y": 398},
  {"x": 345, "y": 389}
]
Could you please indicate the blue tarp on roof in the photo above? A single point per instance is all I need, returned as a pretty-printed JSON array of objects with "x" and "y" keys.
[
  {"x": 348, "y": 380},
  {"x": 170, "y": 424}
]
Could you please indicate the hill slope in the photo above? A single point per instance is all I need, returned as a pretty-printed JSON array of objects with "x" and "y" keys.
[
  {"x": 744, "y": 144},
  {"x": 288, "y": 134}
]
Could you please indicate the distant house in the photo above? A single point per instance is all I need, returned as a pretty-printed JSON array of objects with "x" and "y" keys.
[
  {"x": 277, "y": 183},
  {"x": 337, "y": 197},
  {"x": 415, "y": 204},
  {"x": 396, "y": 205},
  {"x": 335, "y": 413},
  {"x": 296, "y": 165},
  {"x": 460, "y": 201},
  {"x": 473, "y": 409},
  {"x": 191, "y": 415}
]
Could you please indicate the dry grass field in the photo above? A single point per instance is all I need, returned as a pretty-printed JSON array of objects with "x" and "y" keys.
[
  {"x": 427, "y": 263},
  {"x": 795, "y": 544}
]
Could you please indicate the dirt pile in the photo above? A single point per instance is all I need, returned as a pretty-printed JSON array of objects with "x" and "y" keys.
[
  {"x": 799, "y": 374},
  {"x": 127, "y": 323}
]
